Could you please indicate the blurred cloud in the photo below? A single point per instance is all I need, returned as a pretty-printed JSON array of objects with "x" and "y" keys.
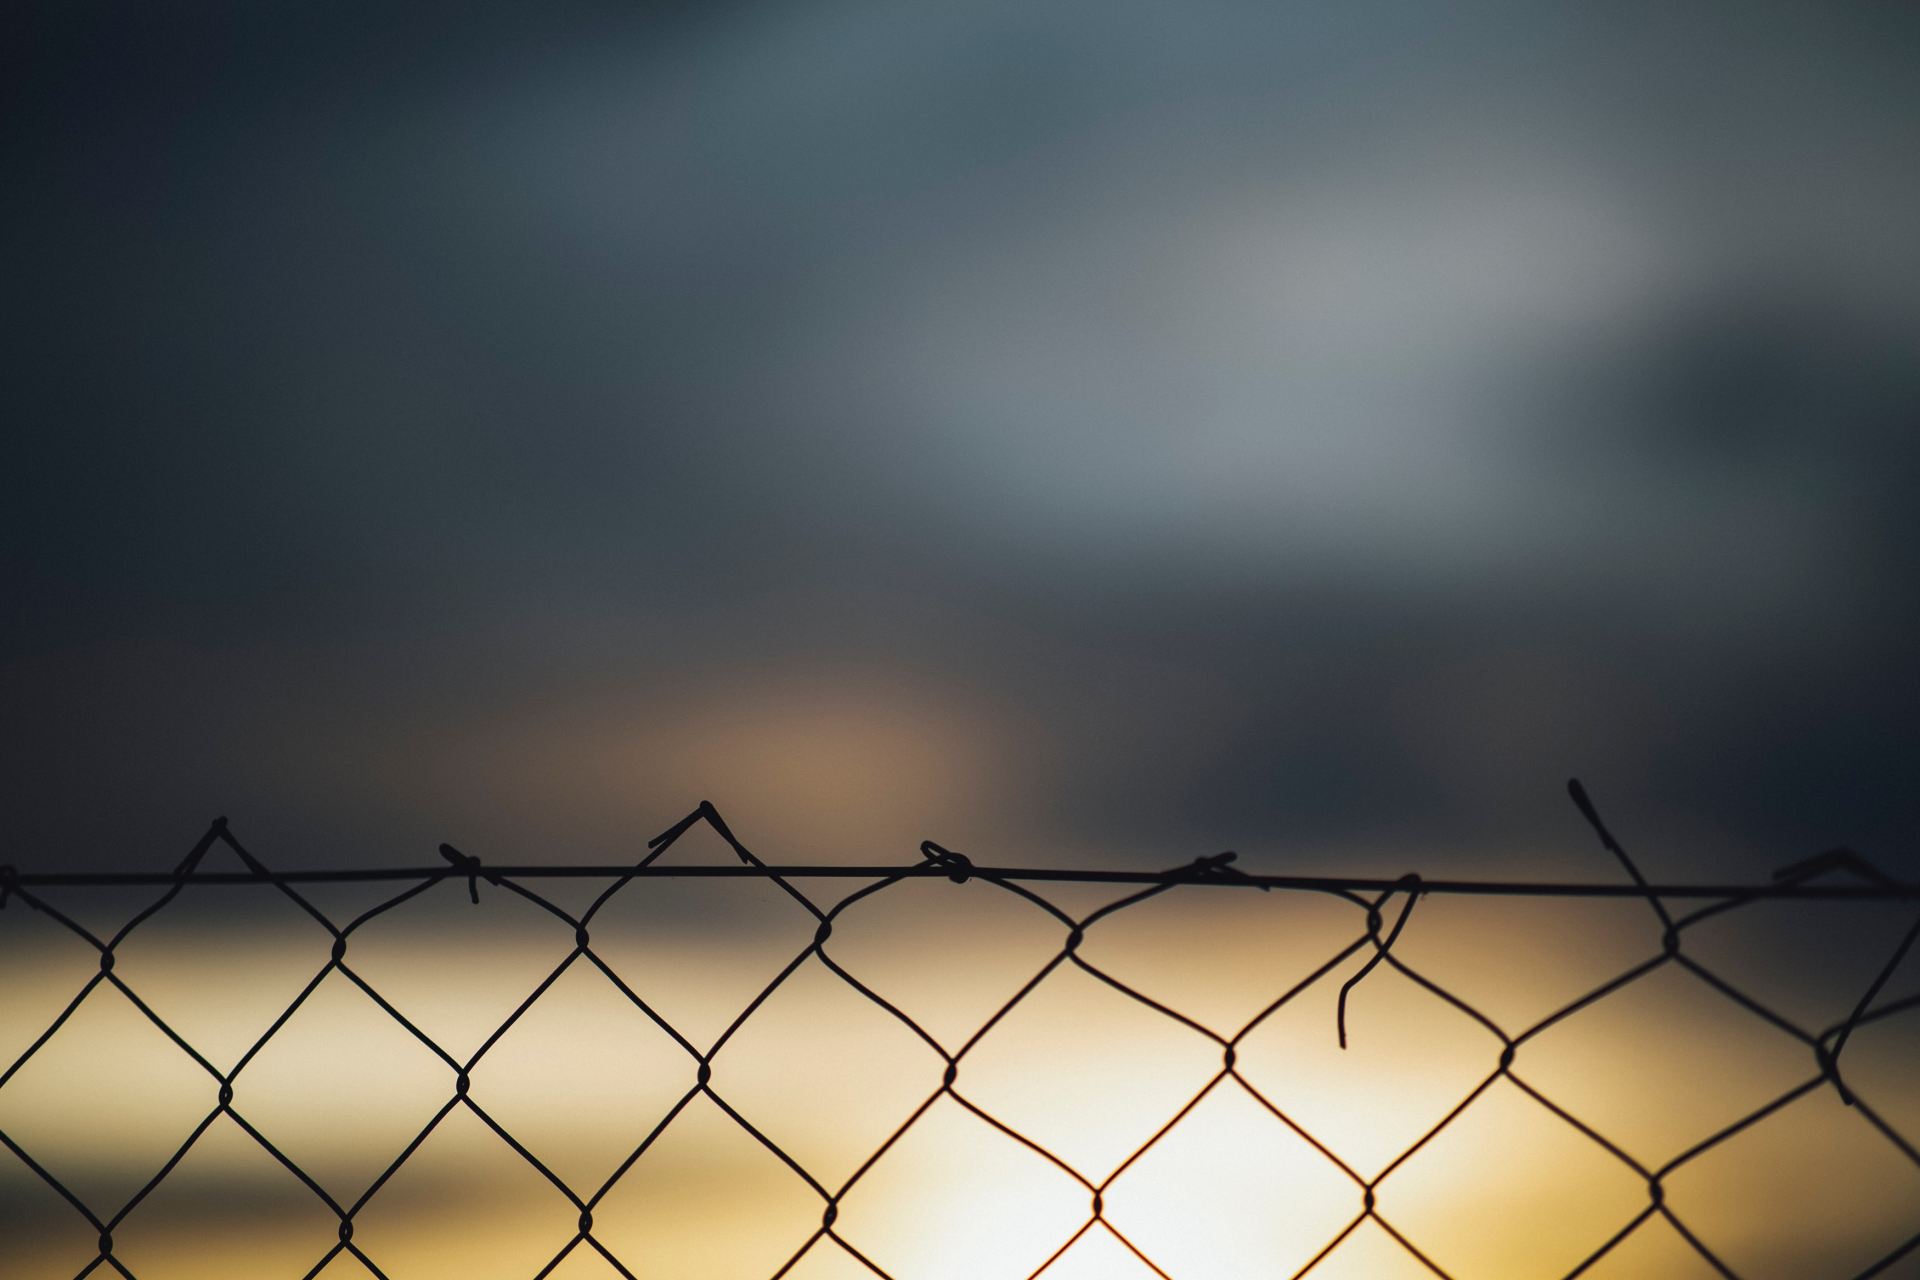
[{"x": 1126, "y": 431}]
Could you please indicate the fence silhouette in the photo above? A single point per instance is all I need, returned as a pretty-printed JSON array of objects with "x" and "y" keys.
[{"x": 1382, "y": 909}]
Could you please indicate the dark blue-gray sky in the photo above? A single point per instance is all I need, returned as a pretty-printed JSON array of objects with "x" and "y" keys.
[{"x": 1064, "y": 430}]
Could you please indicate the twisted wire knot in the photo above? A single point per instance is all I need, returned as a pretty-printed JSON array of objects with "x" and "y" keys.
[
  {"x": 469, "y": 866},
  {"x": 1216, "y": 867},
  {"x": 1828, "y": 1060},
  {"x": 1413, "y": 886},
  {"x": 957, "y": 865}
]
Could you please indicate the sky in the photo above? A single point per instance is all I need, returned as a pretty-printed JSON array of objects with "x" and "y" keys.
[
  {"x": 1080, "y": 434},
  {"x": 1214, "y": 1176},
  {"x": 1074, "y": 433}
]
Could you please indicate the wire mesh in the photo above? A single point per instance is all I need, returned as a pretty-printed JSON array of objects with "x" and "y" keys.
[{"x": 1381, "y": 913}]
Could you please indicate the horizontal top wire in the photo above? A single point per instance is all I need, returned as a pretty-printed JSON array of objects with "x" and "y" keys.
[
  {"x": 1888, "y": 891},
  {"x": 1857, "y": 879}
]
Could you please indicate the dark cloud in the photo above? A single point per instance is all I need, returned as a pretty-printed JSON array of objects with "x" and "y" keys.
[{"x": 1296, "y": 429}]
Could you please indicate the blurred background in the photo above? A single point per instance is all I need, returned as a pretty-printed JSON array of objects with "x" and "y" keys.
[
  {"x": 1072, "y": 431},
  {"x": 1079, "y": 434}
]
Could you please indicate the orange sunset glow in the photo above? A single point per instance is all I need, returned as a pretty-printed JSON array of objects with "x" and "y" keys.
[
  {"x": 1099, "y": 533},
  {"x": 1057, "y": 1102}
]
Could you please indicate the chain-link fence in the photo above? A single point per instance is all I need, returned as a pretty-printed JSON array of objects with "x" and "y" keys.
[{"x": 1379, "y": 914}]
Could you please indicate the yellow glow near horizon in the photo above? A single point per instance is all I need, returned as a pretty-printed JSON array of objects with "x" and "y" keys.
[{"x": 1505, "y": 1192}]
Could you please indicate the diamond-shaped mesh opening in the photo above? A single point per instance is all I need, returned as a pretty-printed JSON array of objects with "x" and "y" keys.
[
  {"x": 1118, "y": 1070},
  {"x": 955, "y": 1199},
  {"x": 1507, "y": 1188},
  {"x": 454, "y": 969},
  {"x": 1662, "y": 1063},
  {"x": 106, "y": 1101},
  {"x": 706, "y": 1199},
  {"x": 825, "y": 1072},
  {"x": 1570, "y": 946},
  {"x": 228, "y": 1211},
  {"x": 1813, "y": 1190},
  {"x": 341, "y": 1088},
  {"x": 582, "y": 1077},
  {"x": 220, "y": 962},
  {"x": 698, "y": 951},
  {"x": 464, "y": 1204},
  {"x": 1220, "y": 956},
  {"x": 1410, "y": 1057},
  {"x": 1232, "y": 1193},
  {"x": 1088, "y": 1129},
  {"x": 948, "y": 955}
]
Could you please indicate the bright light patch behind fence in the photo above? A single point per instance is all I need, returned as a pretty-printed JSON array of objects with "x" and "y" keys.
[{"x": 944, "y": 1073}]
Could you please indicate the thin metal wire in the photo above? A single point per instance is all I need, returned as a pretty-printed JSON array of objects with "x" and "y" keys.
[{"x": 1367, "y": 896}]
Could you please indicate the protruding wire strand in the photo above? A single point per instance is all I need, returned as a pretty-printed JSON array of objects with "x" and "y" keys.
[{"x": 936, "y": 860}]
